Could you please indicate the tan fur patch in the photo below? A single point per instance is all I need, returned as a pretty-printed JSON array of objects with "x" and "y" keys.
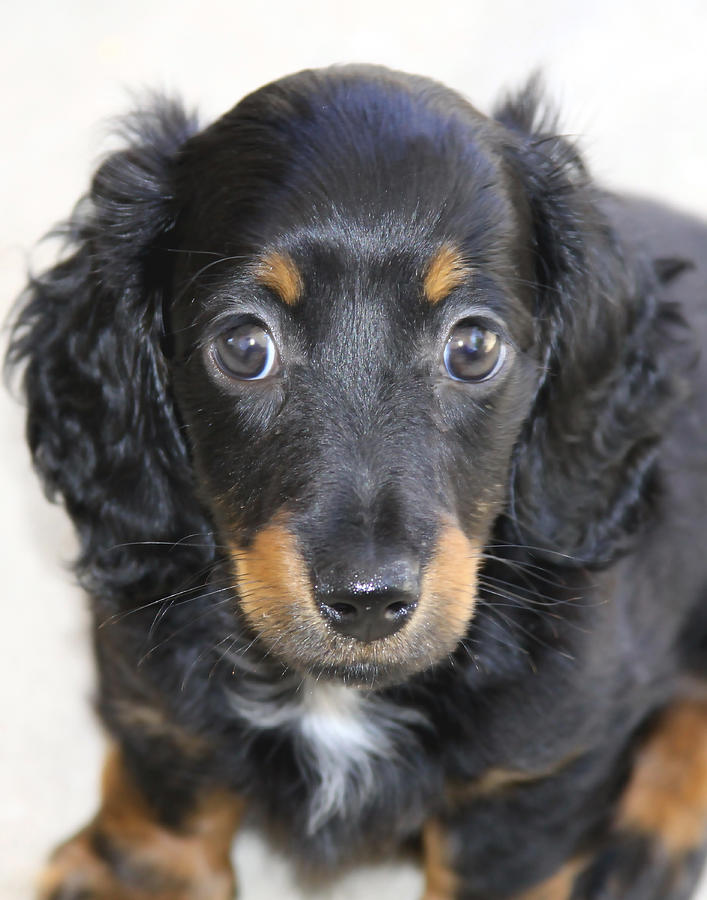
[
  {"x": 450, "y": 578},
  {"x": 559, "y": 886},
  {"x": 277, "y": 598},
  {"x": 500, "y": 780},
  {"x": 492, "y": 782},
  {"x": 155, "y": 722},
  {"x": 446, "y": 271},
  {"x": 149, "y": 860},
  {"x": 278, "y": 272},
  {"x": 440, "y": 881},
  {"x": 273, "y": 581},
  {"x": 667, "y": 795}
]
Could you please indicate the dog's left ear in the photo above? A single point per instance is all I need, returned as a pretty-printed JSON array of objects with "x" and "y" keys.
[
  {"x": 585, "y": 471},
  {"x": 101, "y": 424}
]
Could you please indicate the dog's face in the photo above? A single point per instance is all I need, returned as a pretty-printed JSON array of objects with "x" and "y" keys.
[
  {"x": 353, "y": 359},
  {"x": 340, "y": 338}
]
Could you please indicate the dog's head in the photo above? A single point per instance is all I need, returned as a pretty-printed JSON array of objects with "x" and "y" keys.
[{"x": 341, "y": 334}]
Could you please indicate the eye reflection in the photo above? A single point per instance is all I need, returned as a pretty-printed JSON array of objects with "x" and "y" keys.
[
  {"x": 473, "y": 352},
  {"x": 246, "y": 352}
]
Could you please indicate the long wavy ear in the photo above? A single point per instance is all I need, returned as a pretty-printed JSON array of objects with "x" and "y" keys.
[
  {"x": 100, "y": 425},
  {"x": 585, "y": 472}
]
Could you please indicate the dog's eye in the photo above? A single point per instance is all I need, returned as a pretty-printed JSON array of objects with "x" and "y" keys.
[
  {"x": 473, "y": 352},
  {"x": 247, "y": 351}
]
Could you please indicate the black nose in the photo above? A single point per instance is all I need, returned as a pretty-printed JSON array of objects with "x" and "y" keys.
[{"x": 372, "y": 605}]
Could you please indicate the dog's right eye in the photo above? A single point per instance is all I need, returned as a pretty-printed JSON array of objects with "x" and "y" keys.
[
  {"x": 473, "y": 352},
  {"x": 246, "y": 352}
]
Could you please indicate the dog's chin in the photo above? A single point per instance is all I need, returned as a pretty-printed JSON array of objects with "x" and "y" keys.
[
  {"x": 364, "y": 676},
  {"x": 360, "y": 673}
]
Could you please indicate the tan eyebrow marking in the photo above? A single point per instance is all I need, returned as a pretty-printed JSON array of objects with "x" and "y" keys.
[
  {"x": 446, "y": 271},
  {"x": 278, "y": 272}
]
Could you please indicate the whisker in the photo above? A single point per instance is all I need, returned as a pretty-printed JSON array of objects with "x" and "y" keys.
[
  {"x": 118, "y": 617},
  {"x": 188, "y": 252},
  {"x": 533, "y": 598},
  {"x": 171, "y": 544},
  {"x": 511, "y": 623},
  {"x": 207, "y": 612},
  {"x": 205, "y": 268},
  {"x": 537, "y": 571},
  {"x": 167, "y": 607},
  {"x": 203, "y": 654}
]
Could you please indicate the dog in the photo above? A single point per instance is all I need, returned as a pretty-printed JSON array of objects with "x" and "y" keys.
[{"x": 382, "y": 427}]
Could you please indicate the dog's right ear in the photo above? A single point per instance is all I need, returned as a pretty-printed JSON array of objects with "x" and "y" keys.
[
  {"x": 100, "y": 423},
  {"x": 586, "y": 477}
]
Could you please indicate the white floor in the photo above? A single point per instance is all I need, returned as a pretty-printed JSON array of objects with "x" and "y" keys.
[{"x": 632, "y": 78}]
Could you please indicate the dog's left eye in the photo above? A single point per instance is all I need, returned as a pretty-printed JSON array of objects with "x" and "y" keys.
[
  {"x": 473, "y": 353},
  {"x": 246, "y": 352}
]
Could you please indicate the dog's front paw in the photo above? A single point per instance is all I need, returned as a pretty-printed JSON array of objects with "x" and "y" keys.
[
  {"x": 128, "y": 852},
  {"x": 637, "y": 867},
  {"x": 655, "y": 849},
  {"x": 74, "y": 872},
  {"x": 95, "y": 866}
]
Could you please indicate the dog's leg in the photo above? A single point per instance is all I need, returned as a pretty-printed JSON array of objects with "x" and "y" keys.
[
  {"x": 440, "y": 878},
  {"x": 558, "y": 887},
  {"x": 126, "y": 853},
  {"x": 656, "y": 846},
  {"x": 443, "y": 883}
]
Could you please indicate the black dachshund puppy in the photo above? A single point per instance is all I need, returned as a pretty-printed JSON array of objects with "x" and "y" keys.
[{"x": 383, "y": 430}]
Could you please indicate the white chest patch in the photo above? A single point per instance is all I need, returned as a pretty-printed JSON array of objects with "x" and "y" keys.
[
  {"x": 333, "y": 718},
  {"x": 344, "y": 740},
  {"x": 342, "y": 737}
]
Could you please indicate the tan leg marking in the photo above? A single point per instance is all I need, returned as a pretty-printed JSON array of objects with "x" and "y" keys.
[
  {"x": 151, "y": 720},
  {"x": 440, "y": 880},
  {"x": 667, "y": 795},
  {"x": 127, "y": 854},
  {"x": 499, "y": 780},
  {"x": 557, "y": 887}
]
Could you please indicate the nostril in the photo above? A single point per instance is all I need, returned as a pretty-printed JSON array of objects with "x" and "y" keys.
[
  {"x": 367, "y": 616},
  {"x": 398, "y": 610},
  {"x": 340, "y": 612},
  {"x": 368, "y": 602}
]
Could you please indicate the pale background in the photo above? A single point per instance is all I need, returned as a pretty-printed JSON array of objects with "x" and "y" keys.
[{"x": 631, "y": 79}]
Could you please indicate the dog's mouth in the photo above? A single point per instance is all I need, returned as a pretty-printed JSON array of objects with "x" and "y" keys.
[{"x": 368, "y": 631}]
